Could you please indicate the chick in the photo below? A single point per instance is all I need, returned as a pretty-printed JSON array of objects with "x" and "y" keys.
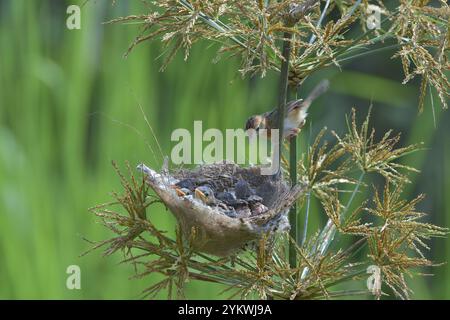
[
  {"x": 230, "y": 199},
  {"x": 256, "y": 205},
  {"x": 186, "y": 184},
  {"x": 243, "y": 190},
  {"x": 206, "y": 195}
]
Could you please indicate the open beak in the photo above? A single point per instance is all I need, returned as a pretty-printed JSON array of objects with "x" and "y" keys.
[{"x": 200, "y": 195}]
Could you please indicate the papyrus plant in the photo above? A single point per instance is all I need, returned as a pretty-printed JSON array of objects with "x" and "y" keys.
[{"x": 296, "y": 38}]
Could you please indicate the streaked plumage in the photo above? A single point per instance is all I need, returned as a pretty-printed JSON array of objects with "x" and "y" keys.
[{"x": 295, "y": 116}]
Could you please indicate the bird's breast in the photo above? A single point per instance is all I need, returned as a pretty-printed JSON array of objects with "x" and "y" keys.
[{"x": 295, "y": 118}]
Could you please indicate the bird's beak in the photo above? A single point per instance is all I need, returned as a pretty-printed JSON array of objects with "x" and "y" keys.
[
  {"x": 200, "y": 195},
  {"x": 179, "y": 192},
  {"x": 253, "y": 122},
  {"x": 252, "y": 126}
]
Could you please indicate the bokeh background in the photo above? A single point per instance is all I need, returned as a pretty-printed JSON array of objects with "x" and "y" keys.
[{"x": 69, "y": 105}]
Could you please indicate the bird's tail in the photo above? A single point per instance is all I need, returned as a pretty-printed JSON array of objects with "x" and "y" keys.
[{"x": 320, "y": 89}]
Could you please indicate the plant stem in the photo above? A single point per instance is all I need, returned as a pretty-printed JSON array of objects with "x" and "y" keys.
[
  {"x": 329, "y": 234},
  {"x": 319, "y": 22},
  {"x": 282, "y": 98},
  {"x": 293, "y": 210},
  {"x": 369, "y": 52},
  {"x": 297, "y": 13},
  {"x": 305, "y": 227}
]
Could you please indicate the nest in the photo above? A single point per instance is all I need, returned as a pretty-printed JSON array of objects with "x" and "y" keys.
[{"x": 215, "y": 232}]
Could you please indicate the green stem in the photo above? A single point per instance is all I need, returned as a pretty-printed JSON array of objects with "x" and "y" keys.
[
  {"x": 305, "y": 227},
  {"x": 293, "y": 210},
  {"x": 322, "y": 16},
  {"x": 282, "y": 99},
  {"x": 282, "y": 96},
  {"x": 329, "y": 234},
  {"x": 369, "y": 52}
]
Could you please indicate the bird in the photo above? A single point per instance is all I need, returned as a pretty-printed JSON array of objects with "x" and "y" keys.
[
  {"x": 252, "y": 201},
  {"x": 206, "y": 195},
  {"x": 295, "y": 115},
  {"x": 184, "y": 187},
  {"x": 226, "y": 196},
  {"x": 236, "y": 209},
  {"x": 229, "y": 198},
  {"x": 258, "y": 208},
  {"x": 186, "y": 184},
  {"x": 256, "y": 205},
  {"x": 267, "y": 191},
  {"x": 243, "y": 190}
]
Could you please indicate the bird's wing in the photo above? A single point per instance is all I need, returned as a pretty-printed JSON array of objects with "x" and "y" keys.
[
  {"x": 318, "y": 90},
  {"x": 294, "y": 104}
]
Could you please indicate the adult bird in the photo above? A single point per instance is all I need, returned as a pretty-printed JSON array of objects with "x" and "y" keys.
[{"x": 295, "y": 118}]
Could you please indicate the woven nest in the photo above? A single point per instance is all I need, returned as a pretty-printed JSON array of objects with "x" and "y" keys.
[{"x": 217, "y": 233}]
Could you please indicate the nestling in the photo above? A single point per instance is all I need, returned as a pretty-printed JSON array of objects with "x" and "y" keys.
[
  {"x": 229, "y": 204},
  {"x": 295, "y": 118},
  {"x": 206, "y": 195}
]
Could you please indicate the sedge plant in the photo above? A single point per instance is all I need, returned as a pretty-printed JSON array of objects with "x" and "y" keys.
[{"x": 384, "y": 235}]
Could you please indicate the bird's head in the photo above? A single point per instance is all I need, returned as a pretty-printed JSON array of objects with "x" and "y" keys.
[
  {"x": 243, "y": 189},
  {"x": 254, "y": 122},
  {"x": 205, "y": 195}
]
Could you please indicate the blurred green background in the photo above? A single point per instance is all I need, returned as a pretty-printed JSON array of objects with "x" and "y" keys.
[{"x": 69, "y": 104}]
